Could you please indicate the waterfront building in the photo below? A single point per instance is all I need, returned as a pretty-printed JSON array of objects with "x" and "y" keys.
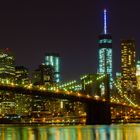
[
  {"x": 7, "y": 66},
  {"x": 105, "y": 51},
  {"x": 53, "y": 59},
  {"x": 21, "y": 75},
  {"x": 138, "y": 74},
  {"x": 44, "y": 75},
  {"x": 7, "y": 107},
  {"x": 128, "y": 66}
]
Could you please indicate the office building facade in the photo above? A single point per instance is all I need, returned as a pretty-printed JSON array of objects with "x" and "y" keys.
[
  {"x": 128, "y": 66},
  {"x": 53, "y": 59},
  {"x": 21, "y": 75},
  {"x": 44, "y": 75},
  {"x": 7, "y": 66}
]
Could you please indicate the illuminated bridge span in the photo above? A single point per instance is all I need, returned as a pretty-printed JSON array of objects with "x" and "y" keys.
[
  {"x": 98, "y": 110},
  {"x": 65, "y": 91},
  {"x": 51, "y": 94},
  {"x": 94, "y": 107},
  {"x": 100, "y": 107}
]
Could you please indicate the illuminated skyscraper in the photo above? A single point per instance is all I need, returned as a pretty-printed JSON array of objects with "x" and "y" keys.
[
  {"x": 138, "y": 74},
  {"x": 128, "y": 65},
  {"x": 21, "y": 75},
  {"x": 53, "y": 59},
  {"x": 105, "y": 51},
  {"x": 7, "y": 66}
]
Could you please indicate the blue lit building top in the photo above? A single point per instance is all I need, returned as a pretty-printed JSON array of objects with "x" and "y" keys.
[{"x": 105, "y": 51}]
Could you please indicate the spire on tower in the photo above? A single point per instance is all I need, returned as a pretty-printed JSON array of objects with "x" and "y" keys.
[{"x": 105, "y": 21}]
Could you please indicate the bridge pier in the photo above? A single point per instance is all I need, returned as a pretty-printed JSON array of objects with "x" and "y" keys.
[{"x": 98, "y": 113}]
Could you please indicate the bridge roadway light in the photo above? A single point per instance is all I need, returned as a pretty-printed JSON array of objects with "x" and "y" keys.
[
  {"x": 12, "y": 84},
  {"x": 87, "y": 96},
  {"x": 57, "y": 90},
  {"x": 67, "y": 92},
  {"x": 41, "y": 88},
  {"x": 96, "y": 97},
  {"x": 104, "y": 100},
  {"x": 79, "y": 94}
]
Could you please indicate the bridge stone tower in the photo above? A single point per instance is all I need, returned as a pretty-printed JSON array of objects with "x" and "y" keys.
[
  {"x": 91, "y": 85},
  {"x": 99, "y": 112}
]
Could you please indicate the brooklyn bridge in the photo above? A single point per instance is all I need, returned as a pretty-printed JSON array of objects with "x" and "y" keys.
[{"x": 90, "y": 101}]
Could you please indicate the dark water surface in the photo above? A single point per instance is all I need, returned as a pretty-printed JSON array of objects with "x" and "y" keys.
[{"x": 97, "y": 132}]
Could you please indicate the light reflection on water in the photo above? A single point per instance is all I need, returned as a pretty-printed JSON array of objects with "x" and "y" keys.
[{"x": 98, "y": 132}]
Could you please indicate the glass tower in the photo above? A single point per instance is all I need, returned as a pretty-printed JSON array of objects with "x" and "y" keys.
[
  {"x": 138, "y": 74},
  {"x": 53, "y": 59},
  {"x": 105, "y": 51}
]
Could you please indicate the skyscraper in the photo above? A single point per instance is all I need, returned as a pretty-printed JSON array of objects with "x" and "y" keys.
[
  {"x": 105, "y": 51},
  {"x": 53, "y": 59},
  {"x": 21, "y": 75},
  {"x": 138, "y": 74},
  {"x": 44, "y": 75},
  {"x": 128, "y": 65},
  {"x": 7, "y": 66}
]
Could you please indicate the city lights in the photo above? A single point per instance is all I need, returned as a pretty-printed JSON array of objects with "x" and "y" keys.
[
  {"x": 43, "y": 97},
  {"x": 105, "y": 51}
]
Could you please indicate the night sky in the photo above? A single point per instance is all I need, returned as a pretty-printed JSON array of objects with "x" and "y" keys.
[{"x": 69, "y": 27}]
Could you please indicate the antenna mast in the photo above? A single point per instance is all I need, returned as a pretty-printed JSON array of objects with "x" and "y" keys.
[{"x": 105, "y": 21}]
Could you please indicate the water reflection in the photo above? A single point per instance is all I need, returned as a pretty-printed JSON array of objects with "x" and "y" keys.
[{"x": 102, "y": 132}]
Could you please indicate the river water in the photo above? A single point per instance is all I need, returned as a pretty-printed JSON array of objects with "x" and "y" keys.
[{"x": 96, "y": 132}]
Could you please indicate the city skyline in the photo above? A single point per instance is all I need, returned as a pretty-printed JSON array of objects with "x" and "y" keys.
[
  {"x": 69, "y": 28},
  {"x": 69, "y": 70}
]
